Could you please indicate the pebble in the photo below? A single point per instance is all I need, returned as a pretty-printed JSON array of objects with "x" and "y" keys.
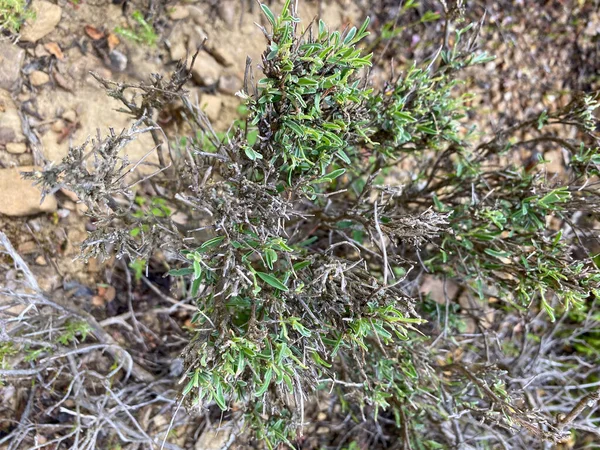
[
  {"x": 118, "y": 61},
  {"x": 70, "y": 115},
  {"x": 58, "y": 126},
  {"x": 10, "y": 123},
  {"x": 40, "y": 51},
  {"x": 227, "y": 11},
  {"x": 229, "y": 84},
  {"x": 211, "y": 104},
  {"x": 46, "y": 17},
  {"x": 38, "y": 78},
  {"x": 19, "y": 197},
  {"x": 16, "y": 148},
  {"x": 206, "y": 70},
  {"x": 11, "y": 60},
  {"x": 41, "y": 261},
  {"x": 63, "y": 213},
  {"x": 179, "y": 12}
]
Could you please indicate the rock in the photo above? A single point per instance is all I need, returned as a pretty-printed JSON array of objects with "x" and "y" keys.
[
  {"x": 221, "y": 55},
  {"x": 229, "y": 84},
  {"x": 199, "y": 13},
  {"x": 39, "y": 78},
  {"x": 118, "y": 61},
  {"x": 46, "y": 17},
  {"x": 10, "y": 122},
  {"x": 178, "y": 43},
  {"x": 18, "y": 197},
  {"x": 11, "y": 60},
  {"x": 227, "y": 11},
  {"x": 7, "y": 135},
  {"x": 179, "y": 12},
  {"x": 197, "y": 38},
  {"x": 16, "y": 148},
  {"x": 211, "y": 104},
  {"x": 206, "y": 70},
  {"x": 70, "y": 115},
  {"x": 40, "y": 51},
  {"x": 25, "y": 159},
  {"x": 41, "y": 261},
  {"x": 58, "y": 126},
  {"x": 212, "y": 439}
]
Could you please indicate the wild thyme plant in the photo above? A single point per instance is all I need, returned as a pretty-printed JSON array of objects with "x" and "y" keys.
[{"x": 312, "y": 238}]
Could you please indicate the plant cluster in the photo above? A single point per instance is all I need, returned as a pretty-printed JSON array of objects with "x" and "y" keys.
[
  {"x": 316, "y": 219},
  {"x": 12, "y": 15}
]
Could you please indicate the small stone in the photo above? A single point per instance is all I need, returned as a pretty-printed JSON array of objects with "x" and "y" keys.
[
  {"x": 46, "y": 17},
  {"x": 16, "y": 148},
  {"x": 58, "y": 126},
  {"x": 6, "y": 135},
  {"x": 38, "y": 78},
  {"x": 212, "y": 439},
  {"x": 179, "y": 12},
  {"x": 40, "y": 51},
  {"x": 11, "y": 129},
  {"x": 211, "y": 104},
  {"x": 227, "y": 11},
  {"x": 199, "y": 13},
  {"x": 108, "y": 293},
  {"x": 63, "y": 213},
  {"x": 178, "y": 51},
  {"x": 27, "y": 247},
  {"x": 180, "y": 218},
  {"x": 25, "y": 159},
  {"x": 19, "y": 197},
  {"x": 97, "y": 301},
  {"x": 206, "y": 70},
  {"x": 220, "y": 55},
  {"x": 229, "y": 84},
  {"x": 70, "y": 115},
  {"x": 118, "y": 61},
  {"x": 41, "y": 261},
  {"x": 11, "y": 60}
]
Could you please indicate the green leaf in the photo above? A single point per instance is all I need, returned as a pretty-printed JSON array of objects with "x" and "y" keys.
[
  {"x": 197, "y": 269},
  {"x": 220, "y": 397},
  {"x": 270, "y": 257},
  {"x": 181, "y": 272},
  {"x": 266, "y": 382},
  {"x": 342, "y": 155},
  {"x": 350, "y": 36},
  {"x": 301, "y": 265},
  {"x": 268, "y": 13},
  {"x": 497, "y": 254},
  {"x": 294, "y": 127},
  {"x": 212, "y": 242},
  {"x": 307, "y": 82},
  {"x": 272, "y": 281}
]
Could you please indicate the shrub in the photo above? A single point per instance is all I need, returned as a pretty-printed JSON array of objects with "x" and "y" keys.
[{"x": 317, "y": 217}]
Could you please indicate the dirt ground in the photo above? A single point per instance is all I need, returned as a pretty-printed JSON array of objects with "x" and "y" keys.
[{"x": 50, "y": 101}]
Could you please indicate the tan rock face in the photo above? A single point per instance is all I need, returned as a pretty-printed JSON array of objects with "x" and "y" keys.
[
  {"x": 206, "y": 70},
  {"x": 11, "y": 60},
  {"x": 18, "y": 197},
  {"x": 211, "y": 105},
  {"x": 10, "y": 122},
  {"x": 179, "y": 12},
  {"x": 39, "y": 78},
  {"x": 16, "y": 148},
  {"x": 47, "y": 16}
]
